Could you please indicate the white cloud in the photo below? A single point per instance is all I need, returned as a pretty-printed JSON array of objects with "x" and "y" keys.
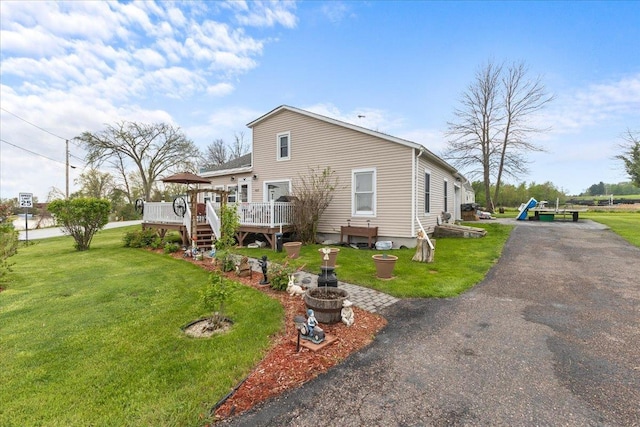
[
  {"x": 366, "y": 117},
  {"x": 220, "y": 89},
  {"x": 267, "y": 14},
  {"x": 336, "y": 11},
  {"x": 593, "y": 106}
]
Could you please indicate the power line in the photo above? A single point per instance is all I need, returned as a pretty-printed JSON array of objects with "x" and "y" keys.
[
  {"x": 32, "y": 152},
  {"x": 34, "y": 125}
]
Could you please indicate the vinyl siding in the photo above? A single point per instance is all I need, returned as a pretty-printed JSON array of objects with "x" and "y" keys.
[{"x": 317, "y": 144}]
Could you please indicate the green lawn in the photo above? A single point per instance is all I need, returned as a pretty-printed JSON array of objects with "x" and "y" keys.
[
  {"x": 626, "y": 224},
  {"x": 94, "y": 338},
  {"x": 458, "y": 264}
]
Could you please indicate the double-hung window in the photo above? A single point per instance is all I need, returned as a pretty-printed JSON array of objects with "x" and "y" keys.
[
  {"x": 364, "y": 192},
  {"x": 283, "y": 146},
  {"x": 446, "y": 196},
  {"x": 427, "y": 192}
]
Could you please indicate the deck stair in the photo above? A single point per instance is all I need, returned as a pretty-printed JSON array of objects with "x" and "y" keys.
[{"x": 204, "y": 236}]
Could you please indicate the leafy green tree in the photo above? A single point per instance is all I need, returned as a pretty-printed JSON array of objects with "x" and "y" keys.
[
  {"x": 630, "y": 155},
  {"x": 94, "y": 183},
  {"x": 81, "y": 218},
  {"x": 230, "y": 225}
]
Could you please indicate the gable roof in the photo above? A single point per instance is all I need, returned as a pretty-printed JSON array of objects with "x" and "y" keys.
[
  {"x": 239, "y": 164},
  {"x": 423, "y": 150}
]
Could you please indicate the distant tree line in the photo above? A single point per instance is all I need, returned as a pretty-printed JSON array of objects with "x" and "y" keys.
[
  {"x": 514, "y": 195},
  {"x": 620, "y": 189}
]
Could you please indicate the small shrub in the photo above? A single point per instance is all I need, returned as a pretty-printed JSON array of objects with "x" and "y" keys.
[
  {"x": 214, "y": 295},
  {"x": 170, "y": 248},
  {"x": 8, "y": 248},
  {"x": 173, "y": 238},
  {"x": 140, "y": 238},
  {"x": 226, "y": 261},
  {"x": 278, "y": 275}
]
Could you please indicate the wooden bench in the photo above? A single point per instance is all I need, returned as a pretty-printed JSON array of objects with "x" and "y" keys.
[{"x": 371, "y": 233}]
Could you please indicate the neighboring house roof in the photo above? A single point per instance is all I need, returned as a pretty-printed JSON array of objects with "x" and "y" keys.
[
  {"x": 240, "y": 164},
  {"x": 423, "y": 150}
]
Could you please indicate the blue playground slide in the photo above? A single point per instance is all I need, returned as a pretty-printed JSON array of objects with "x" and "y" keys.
[{"x": 524, "y": 209}]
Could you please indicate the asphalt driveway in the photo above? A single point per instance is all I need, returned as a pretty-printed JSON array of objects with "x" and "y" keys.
[{"x": 551, "y": 337}]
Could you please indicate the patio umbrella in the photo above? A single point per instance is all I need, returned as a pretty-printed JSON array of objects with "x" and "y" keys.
[{"x": 186, "y": 178}]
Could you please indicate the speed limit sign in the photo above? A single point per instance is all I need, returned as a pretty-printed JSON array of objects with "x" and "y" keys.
[{"x": 26, "y": 200}]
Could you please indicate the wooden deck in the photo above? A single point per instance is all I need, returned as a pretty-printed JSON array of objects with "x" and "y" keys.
[
  {"x": 268, "y": 232},
  {"x": 264, "y": 219}
]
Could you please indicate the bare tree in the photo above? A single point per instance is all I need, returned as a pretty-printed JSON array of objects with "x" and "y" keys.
[
  {"x": 216, "y": 153},
  {"x": 490, "y": 136},
  {"x": 630, "y": 155},
  {"x": 149, "y": 149},
  {"x": 313, "y": 194},
  {"x": 240, "y": 147}
]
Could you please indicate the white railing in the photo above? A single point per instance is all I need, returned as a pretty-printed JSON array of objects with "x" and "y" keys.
[
  {"x": 213, "y": 219},
  {"x": 160, "y": 212},
  {"x": 271, "y": 214},
  {"x": 186, "y": 220}
]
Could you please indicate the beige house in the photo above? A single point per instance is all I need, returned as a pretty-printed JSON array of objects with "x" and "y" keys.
[{"x": 386, "y": 182}]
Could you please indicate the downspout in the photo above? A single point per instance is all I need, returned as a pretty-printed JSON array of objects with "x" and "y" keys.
[{"x": 414, "y": 192}]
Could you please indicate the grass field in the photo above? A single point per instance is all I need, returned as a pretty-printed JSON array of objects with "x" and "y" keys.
[
  {"x": 625, "y": 224},
  {"x": 458, "y": 265},
  {"x": 94, "y": 338}
]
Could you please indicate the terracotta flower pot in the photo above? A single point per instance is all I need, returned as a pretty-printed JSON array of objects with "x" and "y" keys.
[
  {"x": 292, "y": 249},
  {"x": 326, "y": 303},
  {"x": 384, "y": 265},
  {"x": 333, "y": 255}
]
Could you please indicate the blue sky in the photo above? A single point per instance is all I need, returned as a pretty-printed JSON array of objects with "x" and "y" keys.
[{"x": 212, "y": 67}]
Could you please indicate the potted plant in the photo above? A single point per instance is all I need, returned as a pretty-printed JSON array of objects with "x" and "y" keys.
[
  {"x": 292, "y": 249},
  {"x": 384, "y": 265},
  {"x": 332, "y": 253}
]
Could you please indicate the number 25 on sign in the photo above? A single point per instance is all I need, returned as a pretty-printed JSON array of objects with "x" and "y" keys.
[{"x": 26, "y": 200}]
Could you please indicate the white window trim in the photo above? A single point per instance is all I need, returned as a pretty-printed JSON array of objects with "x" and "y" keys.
[
  {"x": 235, "y": 195},
  {"x": 278, "y": 136},
  {"x": 265, "y": 187},
  {"x": 365, "y": 214},
  {"x": 217, "y": 195}
]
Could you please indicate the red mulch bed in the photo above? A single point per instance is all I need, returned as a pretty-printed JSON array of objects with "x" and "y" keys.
[{"x": 283, "y": 367}]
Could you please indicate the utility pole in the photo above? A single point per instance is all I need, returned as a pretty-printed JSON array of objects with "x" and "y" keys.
[{"x": 67, "y": 169}]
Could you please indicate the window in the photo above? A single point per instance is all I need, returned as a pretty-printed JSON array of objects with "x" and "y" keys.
[
  {"x": 364, "y": 192},
  {"x": 216, "y": 196},
  {"x": 274, "y": 190},
  {"x": 427, "y": 192},
  {"x": 446, "y": 196},
  {"x": 233, "y": 192},
  {"x": 284, "y": 146},
  {"x": 244, "y": 193}
]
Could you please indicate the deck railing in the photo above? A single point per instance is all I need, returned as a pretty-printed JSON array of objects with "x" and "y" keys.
[{"x": 269, "y": 214}]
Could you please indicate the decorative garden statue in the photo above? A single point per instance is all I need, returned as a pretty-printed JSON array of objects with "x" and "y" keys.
[
  {"x": 348, "y": 317},
  {"x": 243, "y": 269},
  {"x": 263, "y": 266},
  {"x": 309, "y": 329}
]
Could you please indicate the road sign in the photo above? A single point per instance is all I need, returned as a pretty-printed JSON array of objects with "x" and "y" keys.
[{"x": 26, "y": 200}]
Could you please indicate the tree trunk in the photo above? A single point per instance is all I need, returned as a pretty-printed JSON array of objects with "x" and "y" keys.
[{"x": 424, "y": 253}]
